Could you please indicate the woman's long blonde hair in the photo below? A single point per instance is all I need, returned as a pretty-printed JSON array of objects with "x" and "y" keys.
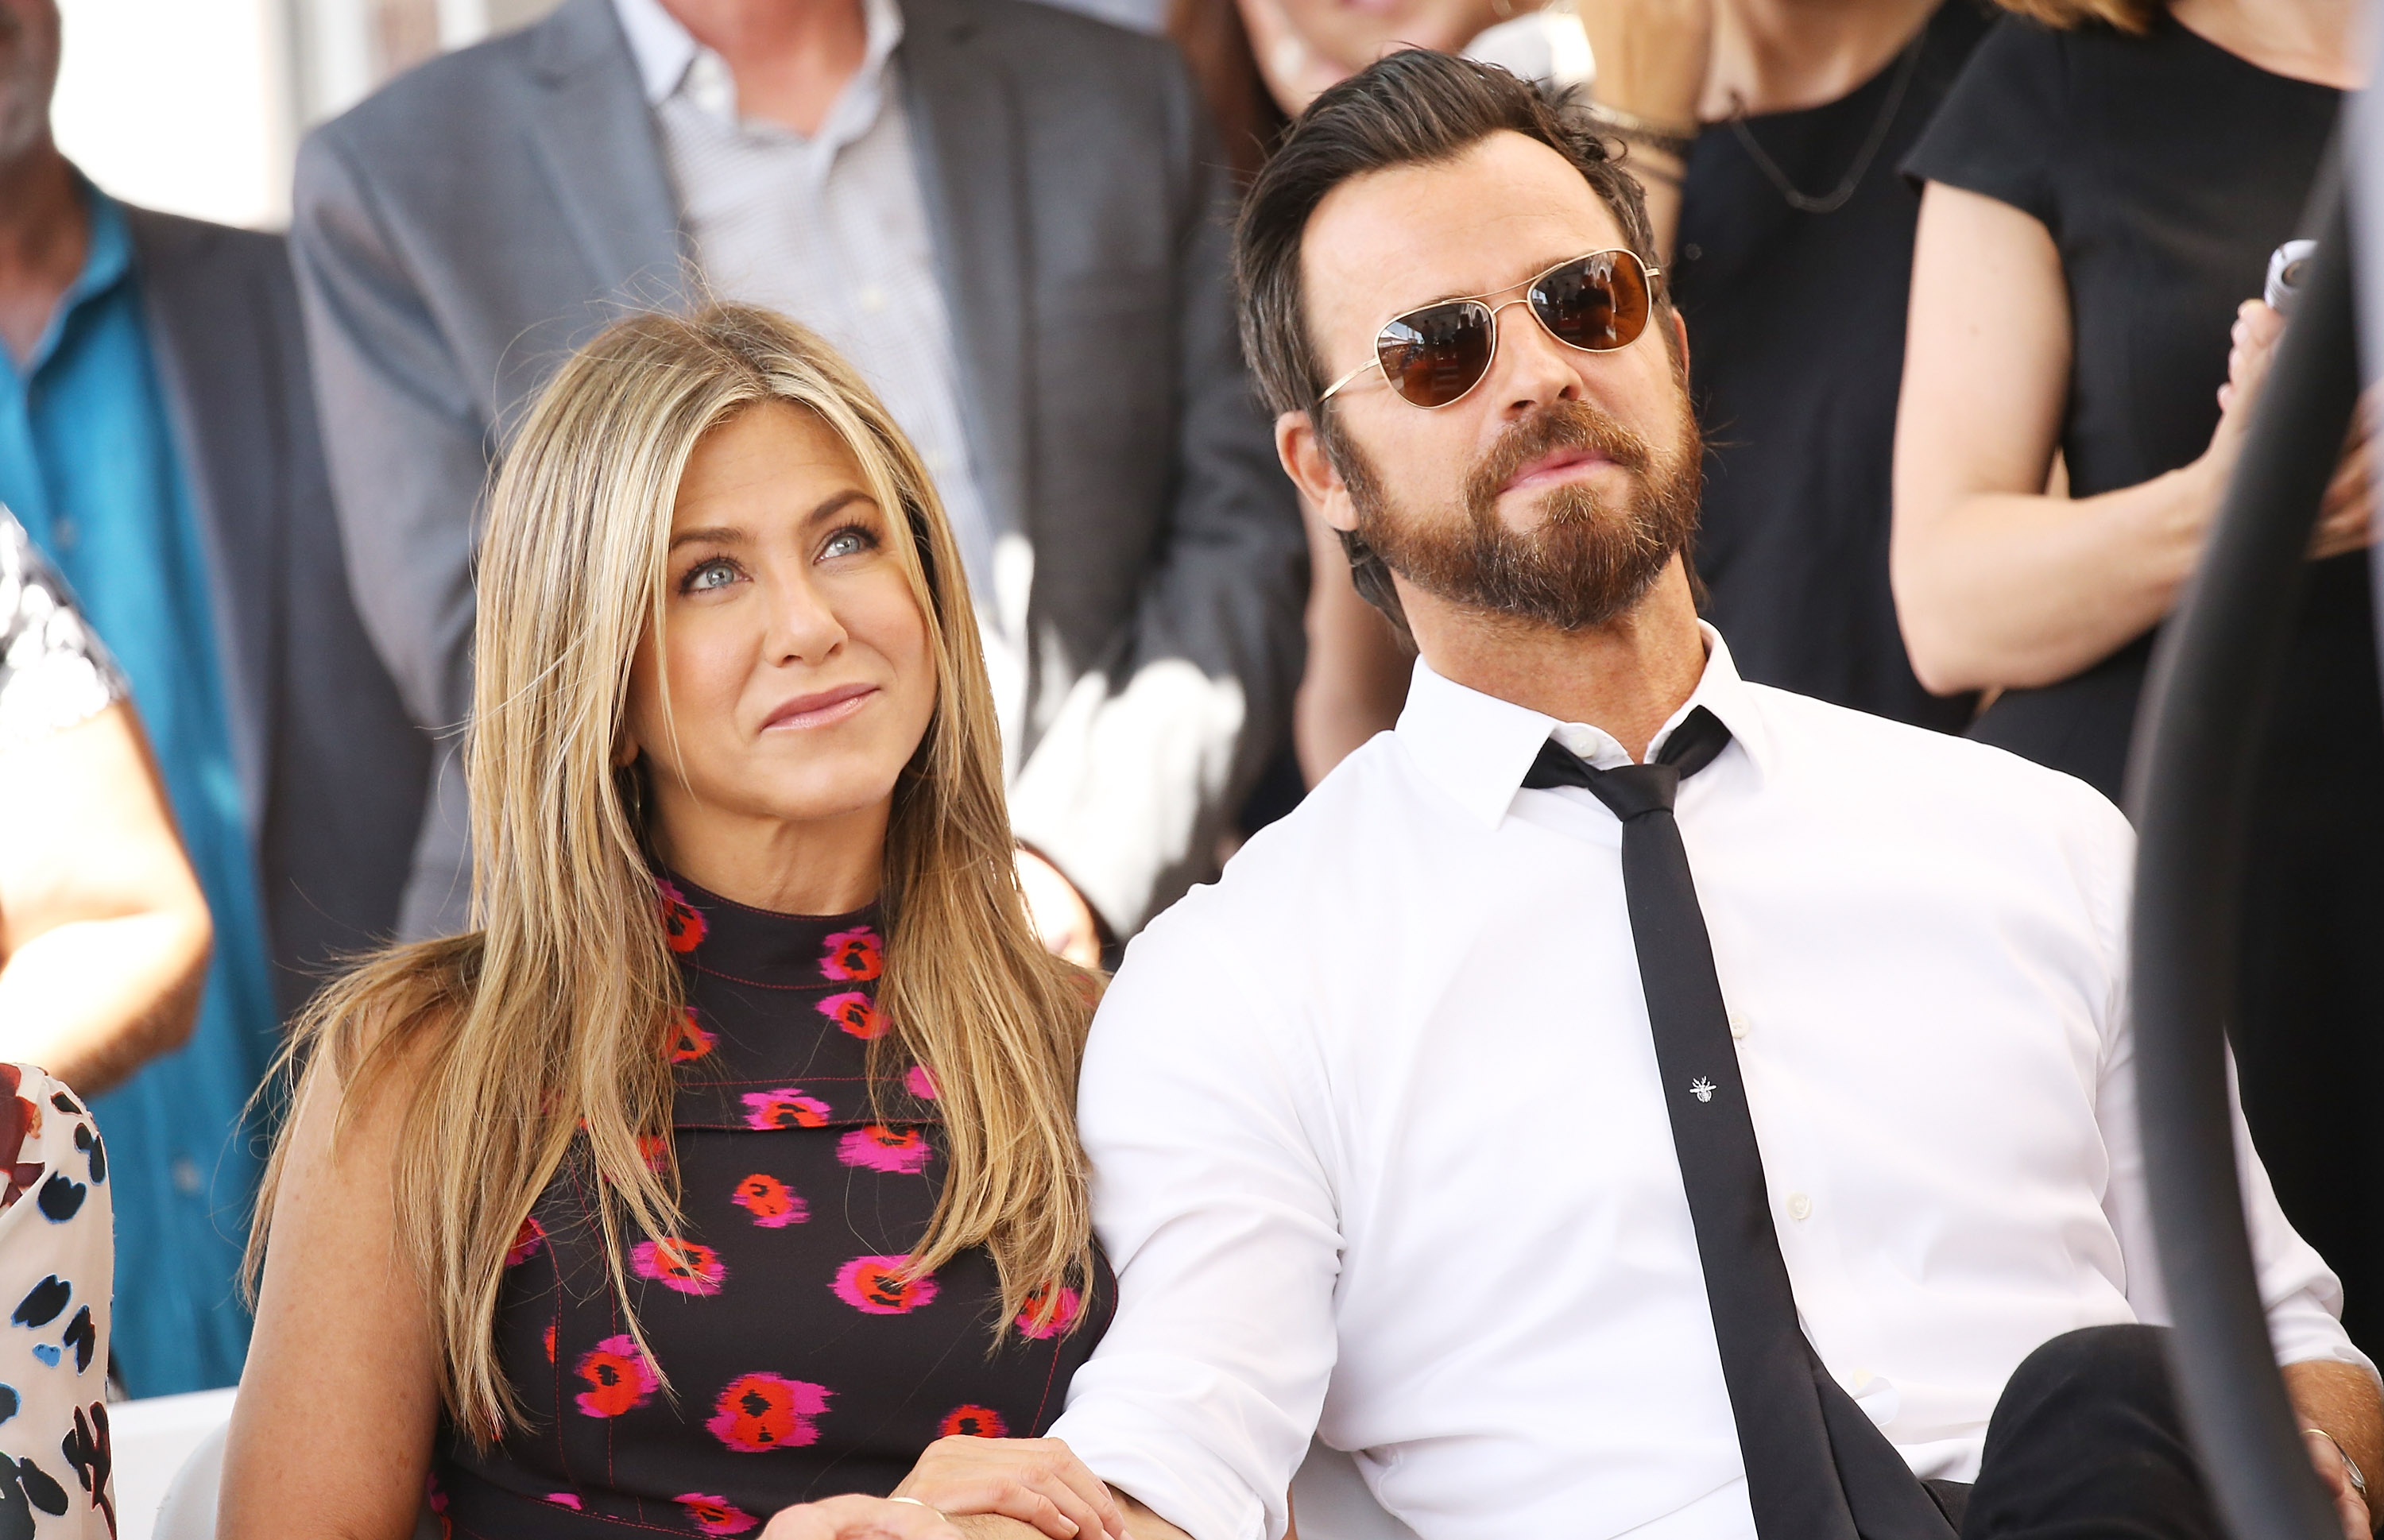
[
  {"x": 2133, "y": 16},
  {"x": 539, "y": 1038}
]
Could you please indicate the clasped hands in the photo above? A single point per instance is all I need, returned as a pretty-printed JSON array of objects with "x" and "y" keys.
[{"x": 1037, "y": 1481}]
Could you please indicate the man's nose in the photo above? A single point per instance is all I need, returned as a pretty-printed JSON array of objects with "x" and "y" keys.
[{"x": 1533, "y": 369}]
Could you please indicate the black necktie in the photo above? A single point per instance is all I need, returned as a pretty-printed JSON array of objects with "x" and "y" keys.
[{"x": 1817, "y": 1468}]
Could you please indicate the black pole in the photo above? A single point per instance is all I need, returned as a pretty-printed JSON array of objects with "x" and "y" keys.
[{"x": 2190, "y": 785}]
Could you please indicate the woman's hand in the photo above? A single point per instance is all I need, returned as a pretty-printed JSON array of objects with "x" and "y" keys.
[
  {"x": 860, "y": 1518},
  {"x": 1036, "y": 1480},
  {"x": 1060, "y": 915},
  {"x": 2346, "y": 519}
]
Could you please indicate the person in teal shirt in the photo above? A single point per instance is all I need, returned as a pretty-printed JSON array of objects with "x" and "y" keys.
[{"x": 157, "y": 441}]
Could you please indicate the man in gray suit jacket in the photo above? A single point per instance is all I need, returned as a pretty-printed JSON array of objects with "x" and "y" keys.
[
  {"x": 1067, "y": 355},
  {"x": 157, "y": 440}
]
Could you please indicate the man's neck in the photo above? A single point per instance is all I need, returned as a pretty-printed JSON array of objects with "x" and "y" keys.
[
  {"x": 45, "y": 236},
  {"x": 790, "y": 62},
  {"x": 1626, "y": 677},
  {"x": 1785, "y": 56}
]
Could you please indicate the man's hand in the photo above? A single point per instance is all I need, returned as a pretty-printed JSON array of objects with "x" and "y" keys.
[
  {"x": 2341, "y": 1398},
  {"x": 1057, "y": 911},
  {"x": 1036, "y": 1480},
  {"x": 860, "y": 1518}
]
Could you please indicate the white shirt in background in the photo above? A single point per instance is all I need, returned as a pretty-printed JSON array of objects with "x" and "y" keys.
[
  {"x": 833, "y": 230},
  {"x": 1380, "y": 1151}
]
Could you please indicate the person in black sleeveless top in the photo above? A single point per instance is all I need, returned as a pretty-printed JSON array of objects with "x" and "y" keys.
[
  {"x": 726, "y": 1182},
  {"x": 2102, "y": 200}
]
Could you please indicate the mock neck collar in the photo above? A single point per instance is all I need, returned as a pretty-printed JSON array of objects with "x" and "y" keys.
[{"x": 1477, "y": 748}]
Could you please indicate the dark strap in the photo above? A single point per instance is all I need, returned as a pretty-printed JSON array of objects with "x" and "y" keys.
[{"x": 1817, "y": 1468}]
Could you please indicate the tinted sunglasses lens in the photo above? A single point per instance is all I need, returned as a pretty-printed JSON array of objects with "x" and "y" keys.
[
  {"x": 1434, "y": 355},
  {"x": 1597, "y": 303}
]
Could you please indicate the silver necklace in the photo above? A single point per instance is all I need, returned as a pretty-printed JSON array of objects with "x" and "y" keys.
[{"x": 1805, "y": 202}]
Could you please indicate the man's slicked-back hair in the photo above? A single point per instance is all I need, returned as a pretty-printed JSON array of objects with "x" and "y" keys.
[{"x": 1414, "y": 108}]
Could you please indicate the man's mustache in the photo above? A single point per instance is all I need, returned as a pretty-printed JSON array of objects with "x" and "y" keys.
[{"x": 1559, "y": 426}]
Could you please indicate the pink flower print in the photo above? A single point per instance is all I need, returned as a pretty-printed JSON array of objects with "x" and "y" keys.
[
  {"x": 619, "y": 1378},
  {"x": 756, "y": 1413},
  {"x": 773, "y": 1204},
  {"x": 855, "y": 954},
  {"x": 564, "y": 1499},
  {"x": 1061, "y": 1318},
  {"x": 550, "y": 1339},
  {"x": 784, "y": 1108},
  {"x": 685, "y": 1266},
  {"x": 690, "y": 1041},
  {"x": 854, "y": 1011},
  {"x": 716, "y": 1515},
  {"x": 682, "y": 922},
  {"x": 881, "y": 1285},
  {"x": 904, "y": 1152},
  {"x": 527, "y": 1241},
  {"x": 920, "y": 1083}
]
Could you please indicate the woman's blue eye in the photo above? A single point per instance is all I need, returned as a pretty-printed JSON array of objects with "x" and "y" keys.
[
  {"x": 847, "y": 543},
  {"x": 715, "y": 574}
]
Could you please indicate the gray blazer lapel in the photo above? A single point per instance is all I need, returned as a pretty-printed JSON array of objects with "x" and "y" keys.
[
  {"x": 211, "y": 335},
  {"x": 965, "y": 133},
  {"x": 596, "y": 143}
]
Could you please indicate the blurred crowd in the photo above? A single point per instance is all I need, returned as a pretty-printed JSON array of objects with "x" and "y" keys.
[{"x": 1961, "y": 290}]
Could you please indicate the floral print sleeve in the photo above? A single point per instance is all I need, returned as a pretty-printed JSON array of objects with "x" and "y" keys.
[
  {"x": 56, "y": 1270},
  {"x": 54, "y": 673}
]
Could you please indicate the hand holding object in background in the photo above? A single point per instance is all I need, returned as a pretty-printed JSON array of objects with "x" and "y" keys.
[
  {"x": 2346, "y": 520},
  {"x": 1057, "y": 911}
]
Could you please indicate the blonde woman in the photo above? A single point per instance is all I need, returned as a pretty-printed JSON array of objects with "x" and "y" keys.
[{"x": 730, "y": 1164}]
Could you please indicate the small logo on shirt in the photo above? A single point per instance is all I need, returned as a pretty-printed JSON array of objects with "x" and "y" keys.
[{"x": 1702, "y": 1089}]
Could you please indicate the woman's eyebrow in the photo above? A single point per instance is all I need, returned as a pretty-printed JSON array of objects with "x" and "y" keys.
[
  {"x": 836, "y": 502},
  {"x": 718, "y": 534}
]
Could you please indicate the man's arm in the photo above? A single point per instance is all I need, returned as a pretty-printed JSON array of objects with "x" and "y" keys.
[
  {"x": 2341, "y": 1401},
  {"x": 1144, "y": 764}
]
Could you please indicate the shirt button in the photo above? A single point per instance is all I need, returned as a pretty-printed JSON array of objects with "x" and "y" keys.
[
  {"x": 1799, "y": 1206},
  {"x": 186, "y": 1176},
  {"x": 1737, "y": 1025},
  {"x": 871, "y": 298}
]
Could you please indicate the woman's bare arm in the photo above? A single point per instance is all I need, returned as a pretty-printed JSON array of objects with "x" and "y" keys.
[
  {"x": 331, "y": 1436},
  {"x": 104, "y": 934},
  {"x": 1996, "y": 584}
]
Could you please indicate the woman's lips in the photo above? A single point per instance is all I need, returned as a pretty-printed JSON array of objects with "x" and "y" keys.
[
  {"x": 823, "y": 709},
  {"x": 1563, "y": 464}
]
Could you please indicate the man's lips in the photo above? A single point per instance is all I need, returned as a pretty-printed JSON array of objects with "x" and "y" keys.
[
  {"x": 1561, "y": 465},
  {"x": 822, "y": 709}
]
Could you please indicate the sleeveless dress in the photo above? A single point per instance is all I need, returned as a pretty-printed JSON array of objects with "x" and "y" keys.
[{"x": 799, "y": 1364}]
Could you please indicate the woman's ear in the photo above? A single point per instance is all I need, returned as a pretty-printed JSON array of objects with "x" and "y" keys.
[{"x": 626, "y": 750}]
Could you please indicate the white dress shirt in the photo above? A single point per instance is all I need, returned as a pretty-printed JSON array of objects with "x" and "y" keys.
[
  {"x": 833, "y": 230},
  {"x": 1380, "y": 1152}
]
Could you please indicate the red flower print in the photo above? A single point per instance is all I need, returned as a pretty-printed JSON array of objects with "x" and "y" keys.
[
  {"x": 619, "y": 1378},
  {"x": 878, "y": 1286},
  {"x": 685, "y": 1266},
  {"x": 653, "y": 1150},
  {"x": 853, "y": 954},
  {"x": 682, "y": 922},
  {"x": 919, "y": 1082},
  {"x": 972, "y": 1423},
  {"x": 878, "y": 1148},
  {"x": 853, "y": 1011},
  {"x": 550, "y": 1339},
  {"x": 564, "y": 1499},
  {"x": 1060, "y": 1318},
  {"x": 759, "y": 1412},
  {"x": 19, "y": 1119},
  {"x": 690, "y": 1041},
  {"x": 716, "y": 1515},
  {"x": 772, "y": 1203},
  {"x": 527, "y": 1241},
  {"x": 784, "y": 1108}
]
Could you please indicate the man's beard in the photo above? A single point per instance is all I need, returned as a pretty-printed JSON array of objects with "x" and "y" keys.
[{"x": 1588, "y": 560}]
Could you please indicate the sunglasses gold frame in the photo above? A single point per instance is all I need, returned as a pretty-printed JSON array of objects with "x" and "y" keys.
[{"x": 1648, "y": 275}]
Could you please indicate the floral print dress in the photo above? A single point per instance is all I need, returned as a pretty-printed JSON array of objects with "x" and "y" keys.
[{"x": 801, "y": 1363}]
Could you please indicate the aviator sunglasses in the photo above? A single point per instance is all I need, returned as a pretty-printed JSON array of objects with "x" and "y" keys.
[{"x": 1434, "y": 356}]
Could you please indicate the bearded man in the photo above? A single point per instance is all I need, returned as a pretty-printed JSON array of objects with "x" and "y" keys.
[{"x": 1624, "y": 1097}]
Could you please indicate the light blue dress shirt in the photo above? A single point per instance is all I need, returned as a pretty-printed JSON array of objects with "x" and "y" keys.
[{"x": 89, "y": 463}]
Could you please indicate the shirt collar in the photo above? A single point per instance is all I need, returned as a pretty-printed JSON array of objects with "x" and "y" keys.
[
  {"x": 106, "y": 265},
  {"x": 665, "y": 52},
  {"x": 1478, "y": 748}
]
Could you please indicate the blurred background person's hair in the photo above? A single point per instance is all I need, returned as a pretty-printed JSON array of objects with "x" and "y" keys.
[
  {"x": 157, "y": 440},
  {"x": 103, "y": 933},
  {"x": 2102, "y": 198},
  {"x": 1010, "y": 218}
]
